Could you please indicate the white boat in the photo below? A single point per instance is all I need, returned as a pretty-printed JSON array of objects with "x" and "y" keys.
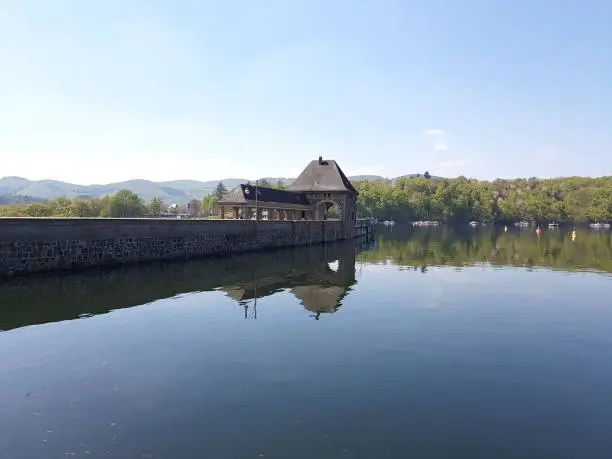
[{"x": 473, "y": 224}]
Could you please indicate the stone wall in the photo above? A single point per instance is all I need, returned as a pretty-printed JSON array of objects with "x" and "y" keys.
[{"x": 29, "y": 245}]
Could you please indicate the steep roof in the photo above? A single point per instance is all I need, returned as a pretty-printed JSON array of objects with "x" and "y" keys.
[
  {"x": 246, "y": 194},
  {"x": 322, "y": 175},
  {"x": 234, "y": 196}
]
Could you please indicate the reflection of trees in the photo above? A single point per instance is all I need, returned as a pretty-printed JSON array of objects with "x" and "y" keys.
[
  {"x": 445, "y": 246},
  {"x": 243, "y": 278}
]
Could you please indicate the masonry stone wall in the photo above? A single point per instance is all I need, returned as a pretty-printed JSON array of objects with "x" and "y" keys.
[{"x": 29, "y": 245}]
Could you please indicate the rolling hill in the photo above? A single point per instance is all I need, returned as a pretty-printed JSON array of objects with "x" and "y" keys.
[
  {"x": 16, "y": 189},
  {"x": 366, "y": 177},
  {"x": 8, "y": 199},
  {"x": 20, "y": 190}
]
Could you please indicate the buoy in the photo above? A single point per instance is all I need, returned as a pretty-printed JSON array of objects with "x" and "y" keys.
[
  {"x": 505, "y": 229},
  {"x": 538, "y": 231}
]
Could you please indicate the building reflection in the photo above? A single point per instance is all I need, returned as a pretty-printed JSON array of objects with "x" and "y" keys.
[
  {"x": 319, "y": 276},
  {"x": 320, "y": 299},
  {"x": 320, "y": 280}
]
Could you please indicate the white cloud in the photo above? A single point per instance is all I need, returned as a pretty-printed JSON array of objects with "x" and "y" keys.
[
  {"x": 440, "y": 146},
  {"x": 439, "y": 139},
  {"x": 433, "y": 132}
]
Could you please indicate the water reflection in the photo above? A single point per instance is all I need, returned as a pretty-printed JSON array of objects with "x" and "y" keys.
[
  {"x": 419, "y": 248},
  {"x": 319, "y": 277}
]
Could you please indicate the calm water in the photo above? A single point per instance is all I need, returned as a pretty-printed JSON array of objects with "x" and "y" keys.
[{"x": 431, "y": 344}]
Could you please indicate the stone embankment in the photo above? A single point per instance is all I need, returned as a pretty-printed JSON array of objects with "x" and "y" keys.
[{"x": 30, "y": 245}]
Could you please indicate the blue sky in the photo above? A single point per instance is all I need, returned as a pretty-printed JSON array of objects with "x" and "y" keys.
[{"x": 104, "y": 91}]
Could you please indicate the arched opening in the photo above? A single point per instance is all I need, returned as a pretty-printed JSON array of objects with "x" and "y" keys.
[{"x": 329, "y": 210}]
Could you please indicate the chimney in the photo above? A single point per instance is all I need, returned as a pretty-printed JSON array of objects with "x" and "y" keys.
[{"x": 320, "y": 160}]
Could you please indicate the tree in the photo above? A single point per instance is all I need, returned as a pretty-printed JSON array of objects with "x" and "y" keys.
[
  {"x": 426, "y": 175},
  {"x": 264, "y": 183},
  {"x": 61, "y": 207},
  {"x": 208, "y": 205},
  {"x": 125, "y": 204},
  {"x": 280, "y": 185},
  {"x": 10, "y": 210},
  {"x": 220, "y": 191},
  {"x": 99, "y": 206},
  {"x": 156, "y": 206},
  {"x": 193, "y": 208},
  {"x": 81, "y": 208},
  {"x": 37, "y": 210}
]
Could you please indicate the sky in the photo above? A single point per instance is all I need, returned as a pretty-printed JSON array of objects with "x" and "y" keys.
[{"x": 104, "y": 91}]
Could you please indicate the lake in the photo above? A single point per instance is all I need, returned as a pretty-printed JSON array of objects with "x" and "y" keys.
[{"x": 430, "y": 343}]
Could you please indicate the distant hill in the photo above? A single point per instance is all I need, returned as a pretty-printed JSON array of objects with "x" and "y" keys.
[
  {"x": 274, "y": 180},
  {"x": 14, "y": 189},
  {"x": 356, "y": 178},
  {"x": 18, "y": 189},
  {"x": 7, "y": 199},
  {"x": 432, "y": 177}
]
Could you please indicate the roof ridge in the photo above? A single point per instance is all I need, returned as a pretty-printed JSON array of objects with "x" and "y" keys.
[{"x": 323, "y": 175}]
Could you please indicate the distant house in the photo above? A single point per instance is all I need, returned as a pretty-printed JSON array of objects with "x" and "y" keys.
[
  {"x": 321, "y": 192},
  {"x": 174, "y": 211}
]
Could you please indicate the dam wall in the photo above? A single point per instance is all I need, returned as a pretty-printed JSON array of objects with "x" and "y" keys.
[
  {"x": 33, "y": 245},
  {"x": 30, "y": 300}
]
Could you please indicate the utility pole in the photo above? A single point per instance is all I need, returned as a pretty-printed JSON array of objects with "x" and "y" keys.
[{"x": 256, "y": 201}]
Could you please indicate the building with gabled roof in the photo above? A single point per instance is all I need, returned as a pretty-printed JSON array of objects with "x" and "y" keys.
[{"x": 321, "y": 187}]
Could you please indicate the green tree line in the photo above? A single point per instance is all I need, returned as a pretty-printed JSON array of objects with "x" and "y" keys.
[
  {"x": 123, "y": 204},
  {"x": 571, "y": 199}
]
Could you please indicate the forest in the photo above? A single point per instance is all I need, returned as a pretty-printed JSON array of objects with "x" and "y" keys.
[
  {"x": 562, "y": 200},
  {"x": 124, "y": 204},
  {"x": 571, "y": 199}
]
